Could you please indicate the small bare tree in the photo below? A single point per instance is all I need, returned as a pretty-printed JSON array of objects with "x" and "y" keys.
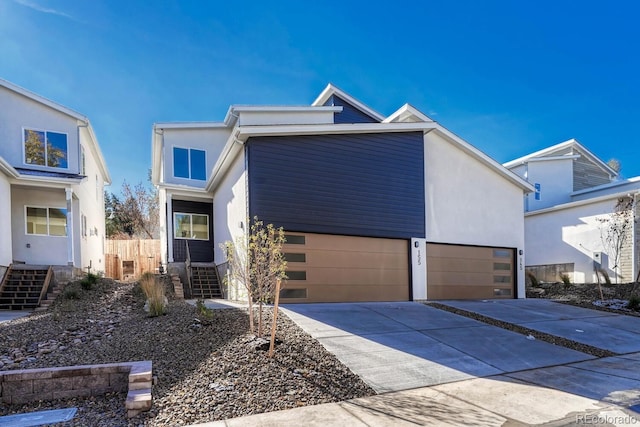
[
  {"x": 256, "y": 260},
  {"x": 615, "y": 230}
]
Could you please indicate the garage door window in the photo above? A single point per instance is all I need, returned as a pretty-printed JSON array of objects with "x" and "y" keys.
[
  {"x": 297, "y": 275},
  {"x": 501, "y": 253},
  {"x": 501, "y": 266},
  {"x": 294, "y": 240}
]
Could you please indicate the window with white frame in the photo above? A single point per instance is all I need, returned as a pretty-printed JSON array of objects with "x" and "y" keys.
[
  {"x": 46, "y": 221},
  {"x": 191, "y": 226},
  {"x": 189, "y": 163},
  {"x": 45, "y": 148}
]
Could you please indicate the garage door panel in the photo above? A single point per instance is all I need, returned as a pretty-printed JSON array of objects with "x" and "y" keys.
[
  {"x": 458, "y": 265},
  {"x": 440, "y": 292},
  {"x": 340, "y": 259},
  {"x": 469, "y": 272},
  {"x": 347, "y": 243},
  {"x": 346, "y": 268}
]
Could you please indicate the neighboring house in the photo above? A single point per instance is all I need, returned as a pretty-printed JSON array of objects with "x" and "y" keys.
[
  {"x": 52, "y": 176},
  {"x": 568, "y": 217},
  {"x": 375, "y": 208}
]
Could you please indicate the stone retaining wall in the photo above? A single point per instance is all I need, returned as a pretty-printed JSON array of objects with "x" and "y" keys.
[{"x": 28, "y": 385}]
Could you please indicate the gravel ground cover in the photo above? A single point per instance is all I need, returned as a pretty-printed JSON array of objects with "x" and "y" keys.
[{"x": 207, "y": 367}]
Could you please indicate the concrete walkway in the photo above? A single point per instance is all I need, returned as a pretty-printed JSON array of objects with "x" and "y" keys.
[
  {"x": 615, "y": 332},
  {"x": 571, "y": 392},
  {"x": 405, "y": 345},
  {"x": 7, "y": 315}
]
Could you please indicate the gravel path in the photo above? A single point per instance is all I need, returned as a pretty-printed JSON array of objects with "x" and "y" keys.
[{"x": 207, "y": 368}]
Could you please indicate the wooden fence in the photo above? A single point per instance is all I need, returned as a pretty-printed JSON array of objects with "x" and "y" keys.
[{"x": 128, "y": 259}]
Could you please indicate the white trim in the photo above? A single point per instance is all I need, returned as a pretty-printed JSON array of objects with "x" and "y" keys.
[
  {"x": 580, "y": 203},
  {"x": 553, "y": 158},
  {"x": 190, "y": 214},
  {"x": 26, "y": 231},
  {"x": 407, "y": 110},
  {"x": 7, "y": 169},
  {"x": 188, "y": 125},
  {"x": 46, "y": 157},
  {"x": 42, "y": 100},
  {"x": 569, "y": 143},
  {"x": 38, "y": 181},
  {"x": 333, "y": 90}
]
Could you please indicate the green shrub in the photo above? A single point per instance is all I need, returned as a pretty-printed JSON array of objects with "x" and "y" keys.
[
  {"x": 92, "y": 278},
  {"x": 565, "y": 279},
  {"x": 532, "y": 279},
  {"x": 86, "y": 284},
  {"x": 634, "y": 303},
  {"x": 203, "y": 310}
]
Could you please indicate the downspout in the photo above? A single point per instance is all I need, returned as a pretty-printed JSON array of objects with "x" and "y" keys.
[{"x": 526, "y": 177}]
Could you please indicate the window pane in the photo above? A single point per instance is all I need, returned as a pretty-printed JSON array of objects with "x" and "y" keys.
[
  {"x": 33, "y": 147},
  {"x": 198, "y": 165},
  {"x": 56, "y": 150},
  {"x": 182, "y": 225},
  {"x": 501, "y": 279},
  {"x": 293, "y": 293},
  {"x": 292, "y": 239},
  {"x": 502, "y": 253},
  {"x": 501, "y": 266},
  {"x": 57, "y": 222},
  {"x": 180, "y": 162},
  {"x": 297, "y": 275},
  {"x": 200, "y": 224},
  {"x": 294, "y": 257},
  {"x": 36, "y": 221}
]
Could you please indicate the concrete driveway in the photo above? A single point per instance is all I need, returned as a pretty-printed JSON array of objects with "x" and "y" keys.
[{"x": 405, "y": 345}]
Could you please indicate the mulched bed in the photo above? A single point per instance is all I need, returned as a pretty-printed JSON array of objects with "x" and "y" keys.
[{"x": 207, "y": 367}]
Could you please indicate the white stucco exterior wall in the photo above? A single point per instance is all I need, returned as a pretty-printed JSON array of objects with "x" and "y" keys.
[
  {"x": 5, "y": 221},
  {"x": 19, "y": 112},
  {"x": 556, "y": 181},
  {"x": 569, "y": 235},
  {"x": 49, "y": 250},
  {"x": 230, "y": 207},
  {"x": 469, "y": 203},
  {"x": 210, "y": 140}
]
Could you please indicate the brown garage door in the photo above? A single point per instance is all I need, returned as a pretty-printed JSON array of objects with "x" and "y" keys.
[
  {"x": 326, "y": 268},
  {"x": 469, "y": 272}
]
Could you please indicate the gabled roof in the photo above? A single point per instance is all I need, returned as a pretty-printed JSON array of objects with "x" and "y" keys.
[
  {"x": 548, "y": 152},
  {"x": 407, "y": 113},
  {"x": 95, "y": 148},
  {"x": 333, "y": 90}
]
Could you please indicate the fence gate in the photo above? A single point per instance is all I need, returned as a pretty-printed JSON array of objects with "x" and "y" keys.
[{"x": 128, "y": 259}]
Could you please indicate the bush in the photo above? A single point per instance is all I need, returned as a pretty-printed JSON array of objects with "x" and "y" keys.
[
  {"x": 565, "y": 279},
  {"x": 532, "y": 279},
  {"x": 155, "y": 293},
  {"x": 71, "y": 293},
  {"x": 86, "y": 284},
  {"x": 634, "y": 303},
  {"x": 203, "y": 311},
  {"x": 93, "y": 278}
]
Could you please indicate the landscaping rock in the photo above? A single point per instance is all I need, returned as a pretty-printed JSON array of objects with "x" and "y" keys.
[{"x": 205, "y": 369}]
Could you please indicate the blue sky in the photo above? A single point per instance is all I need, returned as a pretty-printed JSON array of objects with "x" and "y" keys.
[{"x": 510, "y": 77}]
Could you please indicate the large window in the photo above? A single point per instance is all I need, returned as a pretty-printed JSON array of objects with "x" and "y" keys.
[
  {"x": 46, "y": 221},
  {"x": 189, "y": 163},
  {"x": 45, "y": 148},
  {"x": 191, "y": 226}
]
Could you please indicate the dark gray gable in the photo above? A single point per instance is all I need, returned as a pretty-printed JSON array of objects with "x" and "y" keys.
[{"x": 350, "y": 113}]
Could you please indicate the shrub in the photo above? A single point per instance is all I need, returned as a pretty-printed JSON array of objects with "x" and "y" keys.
[
  {"x": 532, "y": 279},
  {"x": 71, "y": 293},
  {"x": 93, "y": 278},
  {"x": 155, "y": 293},
  {"x": 565, "y": 279},
  {"x": 86, "y": 284},
  {"x": 203, "y": 310},
  {"x": 634, "y": 303}
]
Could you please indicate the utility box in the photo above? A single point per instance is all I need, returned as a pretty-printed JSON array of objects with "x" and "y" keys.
[{"x": 597, "y": 260}]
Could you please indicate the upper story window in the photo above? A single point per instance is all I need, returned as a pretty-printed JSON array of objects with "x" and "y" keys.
[
  {"x": 46, "y": 221},
  {"x": 44, "y": 148},
  {"x": 189, "y": 163}
]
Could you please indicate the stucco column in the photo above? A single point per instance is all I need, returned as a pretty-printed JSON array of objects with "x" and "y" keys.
[{"x": 70, "y": 247}]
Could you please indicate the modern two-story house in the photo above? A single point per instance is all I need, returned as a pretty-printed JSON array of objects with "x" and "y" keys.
[
  {"x": 52, "y": 178},
  {"x": 568, "y": 219},
  {"x": 375, "y": 208}
]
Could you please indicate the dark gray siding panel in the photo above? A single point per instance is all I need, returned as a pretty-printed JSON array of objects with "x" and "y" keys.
[
  {"x": 349, "y": 114},
  {"x": 362, "y": 185},
  {"x": 200, "y": 250}
]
